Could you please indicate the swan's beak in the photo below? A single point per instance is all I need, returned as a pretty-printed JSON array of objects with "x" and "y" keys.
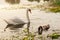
[{"x": 29, "y": 10}]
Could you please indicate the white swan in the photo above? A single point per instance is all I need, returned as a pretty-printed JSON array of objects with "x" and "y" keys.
[{"x": 17, "y": 22}]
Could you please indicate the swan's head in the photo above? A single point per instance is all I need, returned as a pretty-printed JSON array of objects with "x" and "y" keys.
[{"x": 29, "y": 10}]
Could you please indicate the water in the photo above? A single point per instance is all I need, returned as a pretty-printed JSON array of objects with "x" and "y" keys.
[{"x": 37, "y": 18}]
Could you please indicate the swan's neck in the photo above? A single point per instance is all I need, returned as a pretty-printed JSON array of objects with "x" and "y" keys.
[{"x": 28, "y": 16}]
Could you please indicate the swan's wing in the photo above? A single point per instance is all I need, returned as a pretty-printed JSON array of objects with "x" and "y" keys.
[
  {"x": 14, "y": 21},
  {"x": 10, "y": 21},
  {"x": 18, "y": 21}
]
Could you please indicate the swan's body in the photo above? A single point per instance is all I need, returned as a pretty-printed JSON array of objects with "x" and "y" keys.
[{"x": 15, "y": 23}]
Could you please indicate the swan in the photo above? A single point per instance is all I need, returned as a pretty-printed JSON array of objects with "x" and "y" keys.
[{"x": 17, "y": 22}]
